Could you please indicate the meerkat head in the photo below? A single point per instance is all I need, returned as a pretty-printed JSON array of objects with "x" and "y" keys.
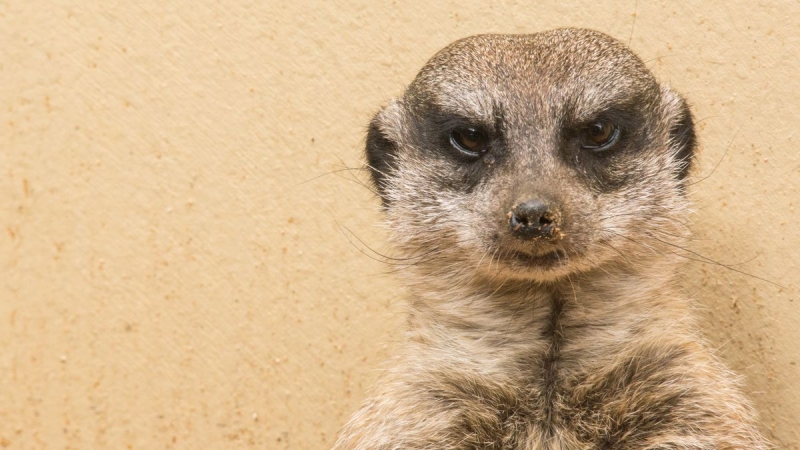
[{"x": 533, "y": 156}]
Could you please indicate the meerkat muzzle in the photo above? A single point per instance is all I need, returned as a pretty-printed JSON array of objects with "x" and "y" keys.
[{"x": 534, "y": 220}]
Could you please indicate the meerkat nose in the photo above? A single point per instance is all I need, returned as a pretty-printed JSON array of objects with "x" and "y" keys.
[{"x": 535, "y": 219}]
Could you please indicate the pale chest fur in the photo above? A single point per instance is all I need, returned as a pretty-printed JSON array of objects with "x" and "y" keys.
[
  {"x": 599, "y": 362},
  {"x": 582, "y": 365}
]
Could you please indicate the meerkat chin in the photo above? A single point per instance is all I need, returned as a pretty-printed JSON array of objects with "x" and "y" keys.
[{"x": 535, "y": 186}]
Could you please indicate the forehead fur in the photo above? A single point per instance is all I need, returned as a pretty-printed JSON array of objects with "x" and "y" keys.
[{"x": 581, "y": 68}]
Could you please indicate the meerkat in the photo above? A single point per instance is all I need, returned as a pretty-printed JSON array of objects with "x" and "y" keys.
[{"x": 535, "y": 190}]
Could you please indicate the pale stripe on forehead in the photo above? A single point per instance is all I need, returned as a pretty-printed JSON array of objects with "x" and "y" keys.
[
  {"x": 622, "y": 93},
  {"x": 470, "y": 102}
]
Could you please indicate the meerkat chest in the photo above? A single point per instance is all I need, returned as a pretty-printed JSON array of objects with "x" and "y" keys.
[{"x": 566, "y": 380}]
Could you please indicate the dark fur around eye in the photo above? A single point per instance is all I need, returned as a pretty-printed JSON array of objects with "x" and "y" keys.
[
  {"x": 599, "y": 135},
  {"x": 472, "y": 142},
  {"x": 380, "y": 152}
]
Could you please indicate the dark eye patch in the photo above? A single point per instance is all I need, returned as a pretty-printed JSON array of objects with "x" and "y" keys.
[
  {"x": 606, "y": 130},
  {"x": 471, "y": 141},
  {"x": 599, "y": 136},
  {"x": 465, "y": 138}
]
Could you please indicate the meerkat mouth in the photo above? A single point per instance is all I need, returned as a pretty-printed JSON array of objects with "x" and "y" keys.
[{"x": 544, "y": 260}]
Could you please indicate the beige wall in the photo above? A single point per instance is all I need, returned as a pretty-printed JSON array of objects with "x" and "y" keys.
[{"x": 176, "y": 264}]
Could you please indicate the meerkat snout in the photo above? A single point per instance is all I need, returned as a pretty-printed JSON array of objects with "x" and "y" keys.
[{"x": 535, "y": 219}]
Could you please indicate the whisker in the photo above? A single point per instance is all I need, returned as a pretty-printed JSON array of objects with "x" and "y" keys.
[
  {"x": 332, "y": 172},
  {"x": 616, "y": 250},
  {"x": 633, "y": 23},
  {"x": 699, "y": 257},
  {"x": 381, "y": 257},
  {"x": 717, "y": 263},
  {"x": 355, "y": 178},
  {"x": 727, "y": 149}
]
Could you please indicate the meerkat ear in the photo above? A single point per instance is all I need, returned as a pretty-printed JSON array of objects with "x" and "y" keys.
[
  {"x": 381, "y": 148},
  {"x": 681, "y": 131}
]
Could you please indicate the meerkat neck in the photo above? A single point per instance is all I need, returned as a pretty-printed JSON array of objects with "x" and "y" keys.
[{"x": 587, "y": 315}]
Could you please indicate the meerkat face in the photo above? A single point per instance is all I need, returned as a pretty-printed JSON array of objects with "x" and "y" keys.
[{"x": 532, "y": 157}]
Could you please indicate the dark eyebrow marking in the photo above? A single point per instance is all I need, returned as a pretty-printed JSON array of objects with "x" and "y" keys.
[{"x": 443, "y": 119}]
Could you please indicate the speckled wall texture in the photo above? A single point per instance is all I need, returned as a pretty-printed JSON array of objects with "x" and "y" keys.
[{"x": 184, "y": 262}]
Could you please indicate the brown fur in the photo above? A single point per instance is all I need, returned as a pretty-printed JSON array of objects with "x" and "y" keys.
[{"x": 582, "y": 341}]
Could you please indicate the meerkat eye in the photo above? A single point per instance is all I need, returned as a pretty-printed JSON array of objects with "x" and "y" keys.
[
  {"x": 599, "y": 135},
  {"x": 470, "y": 141}
]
